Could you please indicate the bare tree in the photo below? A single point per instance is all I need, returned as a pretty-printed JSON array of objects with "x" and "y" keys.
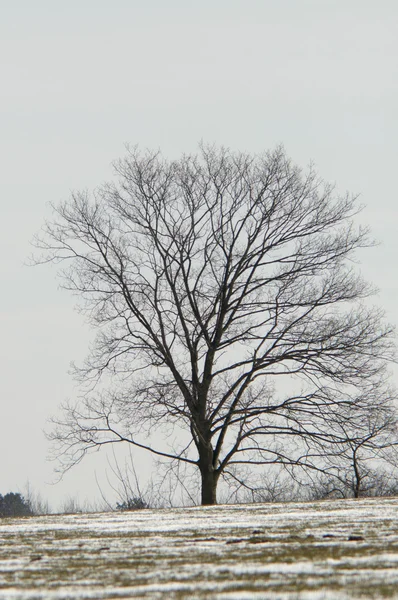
[
  {"x": 364, "y": 462},
  {"x": 37, "y": 504},
  {"x": 229, "y": 315}
]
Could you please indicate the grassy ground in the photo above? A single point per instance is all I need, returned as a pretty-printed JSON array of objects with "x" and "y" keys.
[{"x": 323, "y": 550}]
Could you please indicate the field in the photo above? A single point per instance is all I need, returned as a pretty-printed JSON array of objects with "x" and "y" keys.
[{"x": 318, "y": 550}]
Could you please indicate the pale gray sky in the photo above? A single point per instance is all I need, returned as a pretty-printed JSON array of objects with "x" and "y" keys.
[{"x": 81, "y": 78}]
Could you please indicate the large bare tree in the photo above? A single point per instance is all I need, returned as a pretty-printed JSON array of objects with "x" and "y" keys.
[{"x": 227, "y": 307}]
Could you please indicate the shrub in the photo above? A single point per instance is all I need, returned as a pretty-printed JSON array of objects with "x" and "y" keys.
[{"x": 134, "y": 503}]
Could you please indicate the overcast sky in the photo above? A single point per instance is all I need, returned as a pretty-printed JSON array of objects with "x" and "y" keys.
[{"x": 79, "y": 79}]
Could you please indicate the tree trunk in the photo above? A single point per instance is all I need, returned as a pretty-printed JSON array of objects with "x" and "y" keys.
[
  {"x": 209, "y": 476},
  {"x": 357, "y": 475},
  {"x": 209, "y": 486}
]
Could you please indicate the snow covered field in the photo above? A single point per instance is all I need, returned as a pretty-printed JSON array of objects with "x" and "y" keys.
[{"x": 320, "y": 550}]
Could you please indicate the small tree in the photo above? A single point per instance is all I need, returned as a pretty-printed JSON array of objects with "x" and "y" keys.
[
  {"x": 125, "y": 483},
  {"x": 227, "y": 310},
  {"x": 369, "y": 443}
]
